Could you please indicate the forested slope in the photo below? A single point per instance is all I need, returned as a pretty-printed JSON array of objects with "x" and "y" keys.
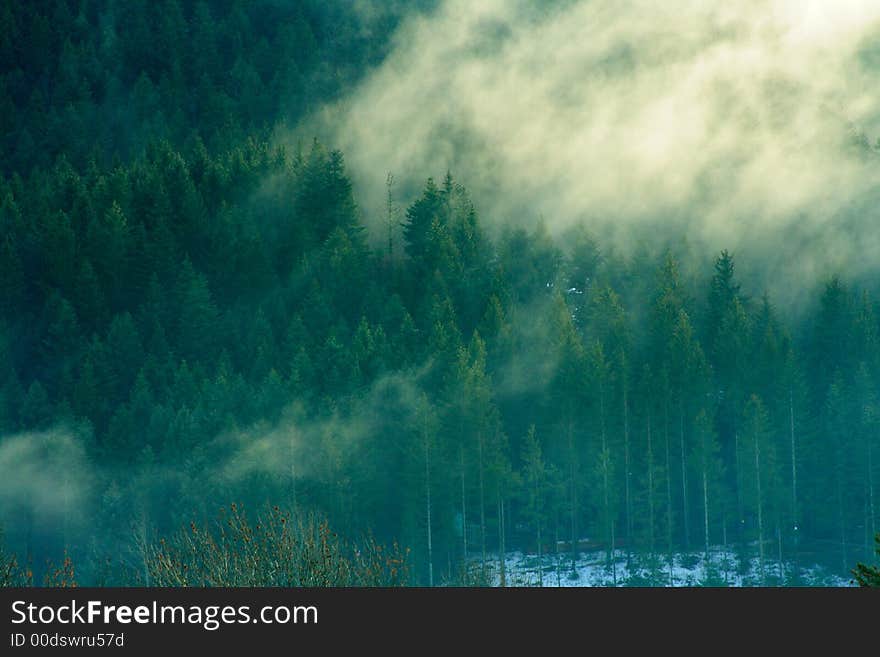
[{"x": 192, "y": 314}]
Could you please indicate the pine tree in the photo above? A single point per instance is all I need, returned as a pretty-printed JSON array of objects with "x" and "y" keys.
[
  {"x": 125, "y": 353},
  {"x": 60, "y": 345},
  {"x": 419, "y": 218},
  {"x": 566, "y": 389},
  {"x": 11, "y": 393},
  {"x": 197, "y": 316},
  {"x": 709, "y": 470},
  {"x": 108, "y": 244},
  {"x": 36, "y": 408},
  {"x": 530, "y": 262},
  {"x": 761, "y": 482},
  {"x": 12, "y": 281},
  {"x": 88, "y": 299},
  {"x": 427, "y": 439},
  {"x": 838, "y": 450},
  {"x": 868, "y": 576},
  {"x": 392, "y": 212},
  {"x": 534, "y": 481},
  {"x": 481, "y": 417},
  {"x": 57, "y": 248},
  {"x": 599, "y": 379},
  {"x": 723, "y": 292},
  {"x": 504, "y": 480}
]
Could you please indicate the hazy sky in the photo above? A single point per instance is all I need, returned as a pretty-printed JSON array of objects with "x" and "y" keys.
[{"x": 726, "y": 118}]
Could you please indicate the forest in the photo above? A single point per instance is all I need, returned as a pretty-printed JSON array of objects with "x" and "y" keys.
[{"x": 206, "y": 325}]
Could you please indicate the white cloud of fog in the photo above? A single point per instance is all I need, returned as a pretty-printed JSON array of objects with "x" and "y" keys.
[
  {"x": 302, "y": 446},
  {"x": 46, "y": 473},
  {"x": 726, "y": 118}
]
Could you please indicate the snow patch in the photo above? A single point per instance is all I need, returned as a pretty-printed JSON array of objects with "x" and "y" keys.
[{"x": 724, "y": 567}]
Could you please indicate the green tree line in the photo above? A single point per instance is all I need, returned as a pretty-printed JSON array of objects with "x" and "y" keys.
[
  {"x": 565, "y": 393},
  {"x": 170, "y": 275}
]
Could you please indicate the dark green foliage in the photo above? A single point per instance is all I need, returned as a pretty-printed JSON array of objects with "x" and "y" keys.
[
  {"x": 211, "y": 305},
  {"x": 125, "y": 75},
  {"x": 868, "y": 576},
  {"x": 165, "y": 324}
]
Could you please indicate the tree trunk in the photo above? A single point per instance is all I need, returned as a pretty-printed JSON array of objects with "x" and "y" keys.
[
  {"x": 613, "y": 562},
  {"x": 650, "y": 490},
  {"x": 482, "y": 506},
  {"x": 868, "y": 506},
  {"x": 556, "y": 544},
  {"x": 142, "y": 539},
  {"x": 706, "y": 510},
  {"x": 794, "y": 498},
  {"x": 428, "y": 504},
  {"x": 609, "y": 523},
  {"x": 760, "y": 508},
  {"x": 668, "y": 491},
  {"x": 502, "y": 566},
  {"x": 871, "y": 513},
  {"x": 538, "y": 506},
  {"x": 779, "y": 552},
  {"x": 724, "y": 544},
  {"x": 739, "y": 498},
  {"x": 572, "y": 493},
  {"x": 464, "y": 545},
  {"x": 704, "y": 451},
  {"x": 391, "y": 214},
  {"x": 292, "y": 475},
  {"x": 65, "y": 529},
  {"x": 840, "y": 515},
  {"x": 626, "y": 481},
  {"x": 684, "y": 492}
]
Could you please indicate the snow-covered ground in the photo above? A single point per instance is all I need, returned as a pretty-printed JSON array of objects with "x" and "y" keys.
[{"x": 723, "y": 568}]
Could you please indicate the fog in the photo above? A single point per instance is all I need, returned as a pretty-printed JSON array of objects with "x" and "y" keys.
[
  {"x": 45, "y": 473},
  {"x": 750, "y": 126},
  {"x": 55, "y": 500},
  {"x": 733, "y": 124}
]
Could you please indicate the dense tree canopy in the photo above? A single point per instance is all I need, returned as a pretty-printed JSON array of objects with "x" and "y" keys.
[{"x": 202, "y": 309}]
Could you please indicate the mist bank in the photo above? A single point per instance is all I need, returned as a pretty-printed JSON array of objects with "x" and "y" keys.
[
  {"x": 745, "y": 127},
  {"x": 202, "y": 321},
  {"x": 59, "y": 498},
  {"x": 415, "y": 397}
]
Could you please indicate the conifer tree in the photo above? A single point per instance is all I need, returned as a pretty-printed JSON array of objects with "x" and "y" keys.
[
  {"x": 866, "y": 575},
  {"x": 534, "y": 481}
]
